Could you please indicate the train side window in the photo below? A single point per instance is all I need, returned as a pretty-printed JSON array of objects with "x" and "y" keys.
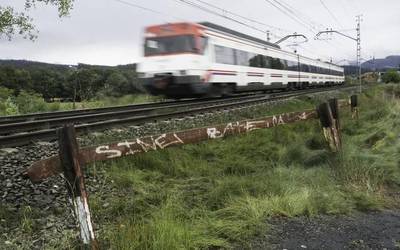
[
  {"x": 284, "y": 64},
  {"x": 242, "y": 58},
  {"x": 268, "y": 62},
  {"x": 314, "y": 69},
  {"x": 224, "y": 55},
  {"x": 293, "y": 66},
  {"x": 304, "y": 68},
  {"x": 276, "y": 63},
  {"x": 254, "y": 60},
  {"x": 262, "y": 61},
  {"x": 250, "y": 59},
  {"x": 203, "y": 42}
]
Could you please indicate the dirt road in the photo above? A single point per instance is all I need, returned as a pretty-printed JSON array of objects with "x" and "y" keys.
[{"x": 373, "y": 230}]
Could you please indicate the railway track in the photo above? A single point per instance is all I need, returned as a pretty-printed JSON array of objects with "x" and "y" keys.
[
  {"x": 49, "y": 120},
  {"x": 79, "y": 112},
  {"x": 22, "y": 130}
]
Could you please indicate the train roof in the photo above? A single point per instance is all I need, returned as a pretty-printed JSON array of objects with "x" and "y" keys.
[{"x": 238, "y": 34}]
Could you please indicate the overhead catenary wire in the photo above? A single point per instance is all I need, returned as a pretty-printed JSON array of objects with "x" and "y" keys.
[
  {"x": 306, "y": 22},
  {"x": 128, "y": 3},
  {"x": 243, "y": 17},
  {"x": 200, "y": 7},
  {"x": 296, "y": 13},
  {"x": 285, "y": 12},
  {"x": 331, "y": 13}
]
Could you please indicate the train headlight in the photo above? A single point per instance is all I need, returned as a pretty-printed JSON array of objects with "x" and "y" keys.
[{"x": 182, "y": 72}]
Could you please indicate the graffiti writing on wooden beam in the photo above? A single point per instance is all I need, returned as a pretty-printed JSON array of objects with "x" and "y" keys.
[{"x": 126, "y": 147}]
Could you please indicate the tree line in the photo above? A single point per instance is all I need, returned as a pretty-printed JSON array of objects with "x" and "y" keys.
[{"x": 81, "y": 82}]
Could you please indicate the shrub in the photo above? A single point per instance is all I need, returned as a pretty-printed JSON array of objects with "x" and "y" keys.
[
  {"x": 30, "y": 102},
  {"x": 391, "y": 76},
  {"x": 7, "y": 105}
]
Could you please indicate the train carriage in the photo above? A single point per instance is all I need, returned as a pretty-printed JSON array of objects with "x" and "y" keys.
[{"x": 198, "y": 59}]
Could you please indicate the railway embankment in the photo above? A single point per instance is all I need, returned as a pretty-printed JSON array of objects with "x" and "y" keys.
[{"x": 217, "y": 194}]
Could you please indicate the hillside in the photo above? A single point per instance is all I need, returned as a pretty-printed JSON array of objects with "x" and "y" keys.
[
  {"x": 385, "y": 63},
  {"x": 34, "y": 64},
  {"x": 60, "y": 81}
]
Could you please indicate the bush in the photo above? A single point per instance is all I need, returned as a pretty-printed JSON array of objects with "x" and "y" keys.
[
  {"x": 30, "y": 102},
  {"x": 391, "y": 76},
  {"x": 7, "y": 105}
]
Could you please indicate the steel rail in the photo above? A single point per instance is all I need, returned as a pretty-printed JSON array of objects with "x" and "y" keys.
[
  {"x": 49, "y": 134},
  {"x": 28, "y": 126},
  {"x": 77, "y": 112}
]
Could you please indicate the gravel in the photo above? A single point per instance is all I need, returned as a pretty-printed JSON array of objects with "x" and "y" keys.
[{"x": 373, "y": 230}]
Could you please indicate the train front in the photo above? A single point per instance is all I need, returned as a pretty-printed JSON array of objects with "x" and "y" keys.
[{"x": 174, "y": 62}]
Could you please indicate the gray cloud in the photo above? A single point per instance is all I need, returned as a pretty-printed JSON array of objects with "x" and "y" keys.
[{"x": 109, "y": 32}]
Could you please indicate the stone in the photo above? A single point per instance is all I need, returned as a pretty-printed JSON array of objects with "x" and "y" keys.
[
  {"x": 96, "y": 134},
  {"x": 9, "y": 150},
  {"x": 44, "y": 143}
]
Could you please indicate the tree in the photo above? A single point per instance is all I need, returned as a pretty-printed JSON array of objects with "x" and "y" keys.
[
  {"x": 19, "y": 23},
  {"x": 116, "y": 84},
  {"x": 15, "y": 79},
  {"x": 391, "y": 76},
  {"x": 88, "y": 82}
]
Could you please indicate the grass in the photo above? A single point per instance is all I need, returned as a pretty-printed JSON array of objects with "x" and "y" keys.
[
  {"x": 27, "y": 103},
  {"x": 109, "y": 101},
  {"x": 219, "y": 194}
]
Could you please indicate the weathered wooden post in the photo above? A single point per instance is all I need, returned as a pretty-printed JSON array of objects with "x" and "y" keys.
[
  {"x": 334, "y": 105},
  {"x": 329, "y": 126},
  {"x": 70, "y": 163},
  {"x": 354, "y": 106}
]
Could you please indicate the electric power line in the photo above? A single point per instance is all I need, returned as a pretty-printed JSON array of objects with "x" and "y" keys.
[
  {"x": 296, "y": 13},
  {"x": 241, "y": 16},
  {"x": 289, "y": 15},
  {"x": 147, "y": 9},
  {"x": 330, "y": 13},
  {"x": 192, "y": 4},
  {"x": 305, "y": 19}
]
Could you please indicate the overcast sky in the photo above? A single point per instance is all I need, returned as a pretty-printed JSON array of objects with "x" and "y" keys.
[{"x": 109, "y": 32}]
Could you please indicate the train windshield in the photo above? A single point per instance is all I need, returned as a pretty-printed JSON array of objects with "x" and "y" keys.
[{"x": 170, "y": 45}]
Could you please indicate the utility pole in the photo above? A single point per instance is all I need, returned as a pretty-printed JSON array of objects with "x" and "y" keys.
[
  {"x": 359, "y": 48},
  {"x": 357, "y": 39}
]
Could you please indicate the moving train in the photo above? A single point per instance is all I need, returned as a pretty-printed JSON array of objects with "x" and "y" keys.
[{"x": 204, "y": 59}]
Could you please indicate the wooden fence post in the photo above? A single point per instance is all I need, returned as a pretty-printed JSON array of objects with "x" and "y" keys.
[
  {"x": 329, "y": 126},
  {"x": 354, "y": 106},
  {"x": 69, "y": 157},
  {"x": 334, "y": 105}
]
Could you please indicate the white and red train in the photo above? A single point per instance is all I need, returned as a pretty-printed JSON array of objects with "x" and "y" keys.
[{"x": 198, "y": 59}]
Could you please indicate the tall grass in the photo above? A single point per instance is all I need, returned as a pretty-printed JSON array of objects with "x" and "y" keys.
[{"x": 220, "y": 193}]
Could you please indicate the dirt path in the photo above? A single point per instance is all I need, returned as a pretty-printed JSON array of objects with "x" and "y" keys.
[{"x": 375, "y": 230}]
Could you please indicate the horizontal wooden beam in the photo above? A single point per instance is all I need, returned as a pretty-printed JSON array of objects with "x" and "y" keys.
[{"x": 51, "y": 166}]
